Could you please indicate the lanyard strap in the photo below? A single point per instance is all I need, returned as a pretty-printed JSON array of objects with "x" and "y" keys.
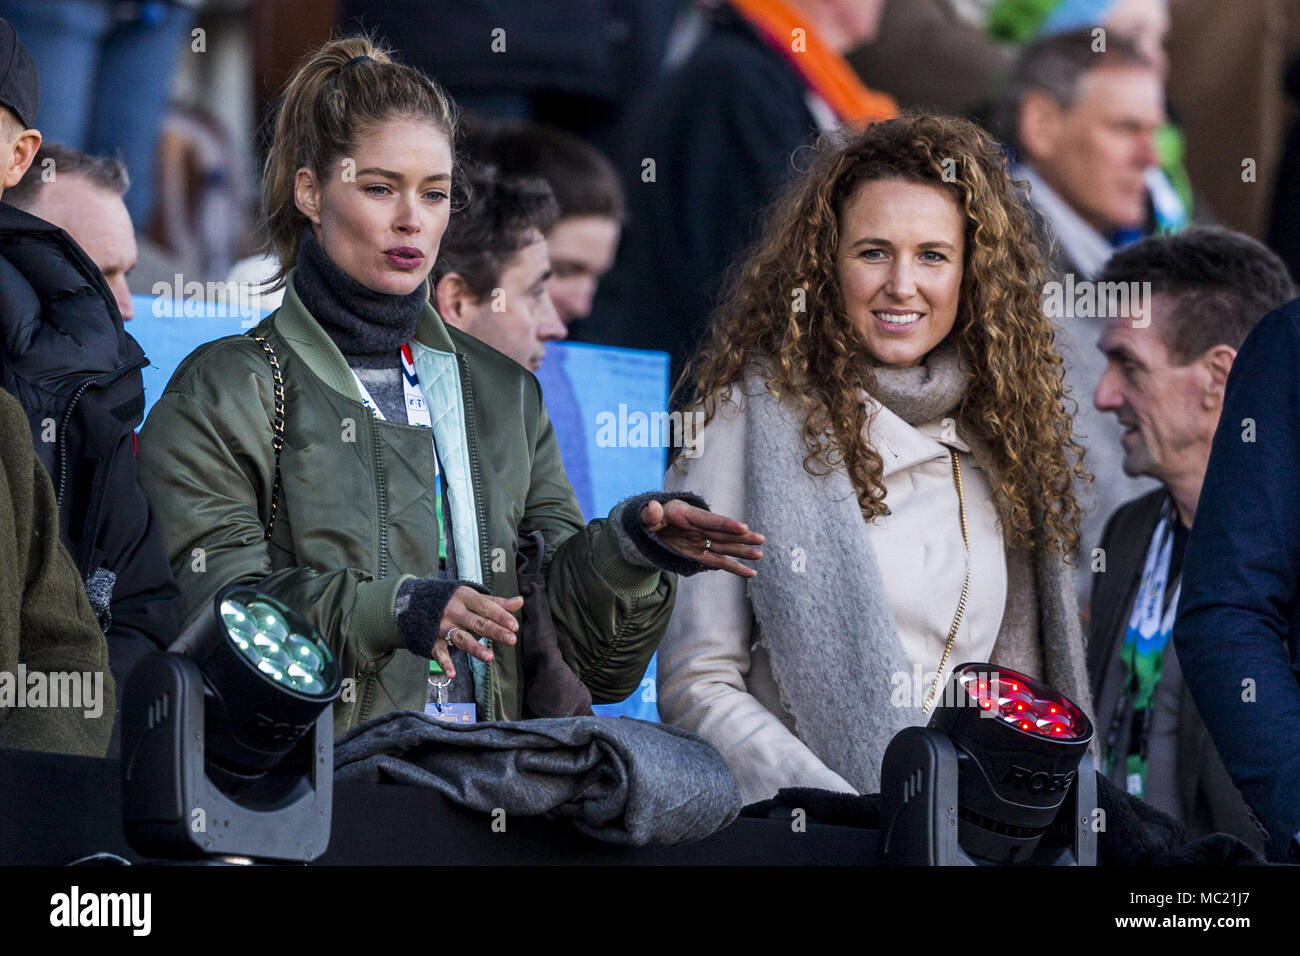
[
  {"x": 417, "y": 409},
  {"x": 1150, "y": 625},
  {"x": 1151, "y": 621},
  {"x": 417, "y": 414}
]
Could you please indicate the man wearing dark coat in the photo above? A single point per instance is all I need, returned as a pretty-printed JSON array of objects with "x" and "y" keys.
[{"x": 1164, "y": 381}]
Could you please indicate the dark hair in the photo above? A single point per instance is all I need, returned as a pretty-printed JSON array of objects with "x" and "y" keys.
[
  {"x": 493, "y": 225},
  {"x": 103, "y": 172},
  {"x": 583, "y": 180},
  {"x": 337, "y": 94},
  {"x": 1054, "y": 65},
  {"x": 1221, "y": 282}
]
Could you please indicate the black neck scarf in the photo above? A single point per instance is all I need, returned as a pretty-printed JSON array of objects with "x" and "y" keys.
[{"x": 361, "y": 321}]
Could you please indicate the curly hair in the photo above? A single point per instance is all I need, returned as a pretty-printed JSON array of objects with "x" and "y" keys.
[{"x": 1015, "y": 403}]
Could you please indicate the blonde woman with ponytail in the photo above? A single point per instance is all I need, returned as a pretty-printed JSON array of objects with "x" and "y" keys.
[{"x": 413, "y": 458}]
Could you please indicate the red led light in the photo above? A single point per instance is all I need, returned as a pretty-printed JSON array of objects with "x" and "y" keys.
[
  {"x": 1052, "y": 712},
  {"x": 1028, "y": 706}
]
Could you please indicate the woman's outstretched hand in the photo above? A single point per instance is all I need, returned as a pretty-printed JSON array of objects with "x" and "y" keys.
[{"x": 709, "y": 538}]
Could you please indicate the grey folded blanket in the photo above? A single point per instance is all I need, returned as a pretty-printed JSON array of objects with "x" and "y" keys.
[{"x": 621, "y": 780}]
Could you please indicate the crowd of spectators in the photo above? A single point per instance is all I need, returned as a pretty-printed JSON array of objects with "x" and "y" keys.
[{"x": 891, "y": 247}]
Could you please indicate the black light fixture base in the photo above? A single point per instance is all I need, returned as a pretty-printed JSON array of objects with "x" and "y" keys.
[
  {"x": 918, "y": 801},
  {"x": 174, "y": 807},
  {"x": 922, "y": 822}
]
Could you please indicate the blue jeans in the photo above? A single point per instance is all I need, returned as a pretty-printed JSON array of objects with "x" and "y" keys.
[{"x": 106, "y": 70}]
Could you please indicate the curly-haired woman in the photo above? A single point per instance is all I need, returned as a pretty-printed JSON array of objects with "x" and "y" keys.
[{"x": 881, "y": 399}]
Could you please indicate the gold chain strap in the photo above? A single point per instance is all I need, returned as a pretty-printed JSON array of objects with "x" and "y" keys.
[
  {"x": 965, "y": 585},
  {"x": 277, "y": 432}
]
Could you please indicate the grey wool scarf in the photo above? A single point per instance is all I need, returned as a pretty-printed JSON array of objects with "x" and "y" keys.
[{"x": 819, "y": 598}]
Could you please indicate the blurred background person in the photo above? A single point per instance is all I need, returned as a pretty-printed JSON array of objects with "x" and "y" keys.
[
  {"x": 1229, "y": 88},
  {"x": 1083, "y": 123},
  {"x": 714, "y": 142},
  {"x": 580, "y": 243},
  {"x": 1146, "y": 23},
  {"x": 109, "y": 67},
  {"x": 490, "y": 278},
  {"x": 574, "y": 65},
  {"x": 82, "y": 194},
  {"x": 583, "y": 240},
  {"x": 909, "y": 532},
  {"x": 1165, "y": 383},
  {"x": 934, "y": 55}
]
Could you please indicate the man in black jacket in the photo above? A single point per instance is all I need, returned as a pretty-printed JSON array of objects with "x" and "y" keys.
[
  {"x": 66, "y": 357},
  {"x": 85, "y": 196},
  {"x": 1164, "y": 380}
]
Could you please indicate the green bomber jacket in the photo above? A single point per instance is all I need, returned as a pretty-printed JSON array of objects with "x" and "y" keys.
[{"x": 356, "y": 513}]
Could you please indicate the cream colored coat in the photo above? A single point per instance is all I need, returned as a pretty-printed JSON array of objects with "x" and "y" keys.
[{"x": 715, "y": 676}]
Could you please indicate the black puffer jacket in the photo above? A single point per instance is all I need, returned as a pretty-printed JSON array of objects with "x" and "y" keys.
[{"x": 66, "y": 357}]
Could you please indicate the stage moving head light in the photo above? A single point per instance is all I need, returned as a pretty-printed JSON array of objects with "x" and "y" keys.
[
  {"x": 270, "y": 676},
  {"x": 1001, "y": 774},
  {"x": 227, "y": 738}
]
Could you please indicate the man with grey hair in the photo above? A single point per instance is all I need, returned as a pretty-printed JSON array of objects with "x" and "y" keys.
[
  {"x": 1082, "y": 110},
  {"x": 82, "y": 194}
]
